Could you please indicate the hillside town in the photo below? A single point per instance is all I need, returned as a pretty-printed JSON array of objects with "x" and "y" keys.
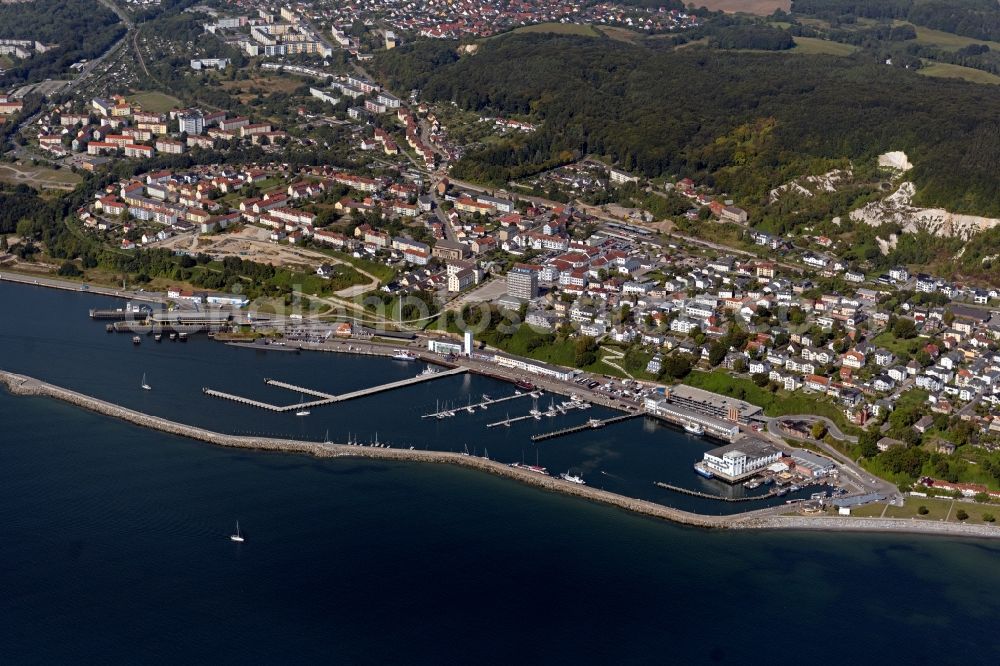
[{"x": 602, "y": 287}]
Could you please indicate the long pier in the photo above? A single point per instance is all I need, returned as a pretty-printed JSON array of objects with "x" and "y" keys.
[
  {"x": 592, "y": 424},
  {"x": 508, "y": 421},
  {"x": 327, "y": 398},
  {"x": 538, "y": 414},
  {"x": 300, "y": 389},
  {"x": 441, "y": 413},
  {"x": 698, "y": 493}
]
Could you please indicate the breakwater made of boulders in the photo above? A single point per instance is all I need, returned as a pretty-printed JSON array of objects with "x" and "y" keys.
[{"x": 22, "y": 385}]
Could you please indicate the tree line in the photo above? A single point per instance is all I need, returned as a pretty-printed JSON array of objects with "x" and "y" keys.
[
  {"x": 979, "y": 19},
  {"x": 745, "y": 122}
]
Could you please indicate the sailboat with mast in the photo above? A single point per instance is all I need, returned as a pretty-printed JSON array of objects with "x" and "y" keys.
[
  {"x": 145, "y": 386},
  {"x": 302, "y": 410},
  {"x": 237, "y": 536}
]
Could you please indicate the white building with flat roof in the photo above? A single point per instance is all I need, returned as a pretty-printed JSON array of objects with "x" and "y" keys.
[
  {"x": 534, "y": 367},
  {"x": 735, "y": 462}
]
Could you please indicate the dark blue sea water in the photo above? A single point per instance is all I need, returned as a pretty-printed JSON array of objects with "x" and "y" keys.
[{"x": 114, "y": 548}]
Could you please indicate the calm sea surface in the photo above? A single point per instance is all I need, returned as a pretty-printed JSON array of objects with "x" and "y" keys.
[{"x": 113, "y": 538}]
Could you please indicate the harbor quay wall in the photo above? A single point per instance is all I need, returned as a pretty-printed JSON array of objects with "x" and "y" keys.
[{"x": 22, "y": 385}]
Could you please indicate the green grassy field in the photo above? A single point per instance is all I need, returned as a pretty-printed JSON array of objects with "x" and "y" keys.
[
  {"x": 815, "y": 46},
  {"x": 379, "y": 270},
  {"x": 621, "y": 34},
  {"x": 561, "y": 29},
  {"x": 156, "y": 102},
  {"x": 898, "y": 345},
  {"x": 39, "y": 177},
  {"x": 947, "y": 70},
  {"x": 948, "y": 41},
  {"x": 937, "y": 509}
]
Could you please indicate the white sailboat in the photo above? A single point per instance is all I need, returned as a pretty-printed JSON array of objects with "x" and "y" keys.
[
  {"x": 144, "y": 385},
  {"x": 302, "y": 411},
  {"x": 237, "y": 536}
]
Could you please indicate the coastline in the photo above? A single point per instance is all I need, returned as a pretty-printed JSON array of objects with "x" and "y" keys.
[
  {"x": 23, "y": 385},
  {"x": 14, "y": 276}
]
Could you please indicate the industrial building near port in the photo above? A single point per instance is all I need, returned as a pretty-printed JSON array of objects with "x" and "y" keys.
[{"x": 719, "y": 415}]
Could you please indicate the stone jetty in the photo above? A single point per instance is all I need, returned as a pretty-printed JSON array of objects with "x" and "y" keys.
[{"x": 761, "y": 519}]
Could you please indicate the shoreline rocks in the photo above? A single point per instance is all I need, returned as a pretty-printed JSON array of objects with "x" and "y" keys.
[{"x": 22, "y": 385}]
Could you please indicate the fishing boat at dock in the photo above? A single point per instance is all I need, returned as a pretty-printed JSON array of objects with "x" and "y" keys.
[
  {"x": 566, "y": 476},
  {"x": 703, "y": 471},
  {"x": 693, "y": 428}
]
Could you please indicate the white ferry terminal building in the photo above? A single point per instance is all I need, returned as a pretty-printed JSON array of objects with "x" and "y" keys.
[{"x": 735, "y": 462}]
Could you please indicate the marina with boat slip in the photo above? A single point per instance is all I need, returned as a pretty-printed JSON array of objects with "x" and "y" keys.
[{"x": 571, "y": 428}]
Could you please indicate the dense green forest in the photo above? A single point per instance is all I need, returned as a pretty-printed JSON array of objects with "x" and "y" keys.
[
  {"x": 83, "y": 29},
  {"x": 979, "y": 19},
  {"x": 762, "y": 37},
  {"x": 745, "y": 122}
]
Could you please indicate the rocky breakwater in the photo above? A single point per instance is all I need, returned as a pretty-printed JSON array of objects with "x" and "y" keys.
[
  {"x": 761, "y": 519},
  {"x": 858, "y": 524},
  {"x": 27, "y": 386}
]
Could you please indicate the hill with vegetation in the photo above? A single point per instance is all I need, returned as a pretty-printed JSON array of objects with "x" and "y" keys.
[
  {"x": 745, "y": 122},
  {"x": 979, "y": 19}
]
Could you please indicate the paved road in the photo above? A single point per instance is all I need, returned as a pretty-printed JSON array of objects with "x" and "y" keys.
[
  {"x": 68, "y": 285},
  {"x": 831, "y": 427},
  {"x": 864, "y": 478},
  {"x": 449, "y": 231}
]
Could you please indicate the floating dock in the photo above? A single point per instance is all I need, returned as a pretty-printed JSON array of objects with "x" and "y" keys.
[
  {"x": 592, "y": 424},
  {"x": 698, "y": 493},
  {"x": 538, "y": 414},
  {"x": 442, "y": 413},
  {"x": 327, "y": 398}
]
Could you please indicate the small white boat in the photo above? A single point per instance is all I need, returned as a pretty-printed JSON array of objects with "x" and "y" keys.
[
  {"x": 302, "y": 410},
  {"x": 145, "y": 386},
  {"x": 566, "y": 476},
  {"x": 237, "y": 536}
]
